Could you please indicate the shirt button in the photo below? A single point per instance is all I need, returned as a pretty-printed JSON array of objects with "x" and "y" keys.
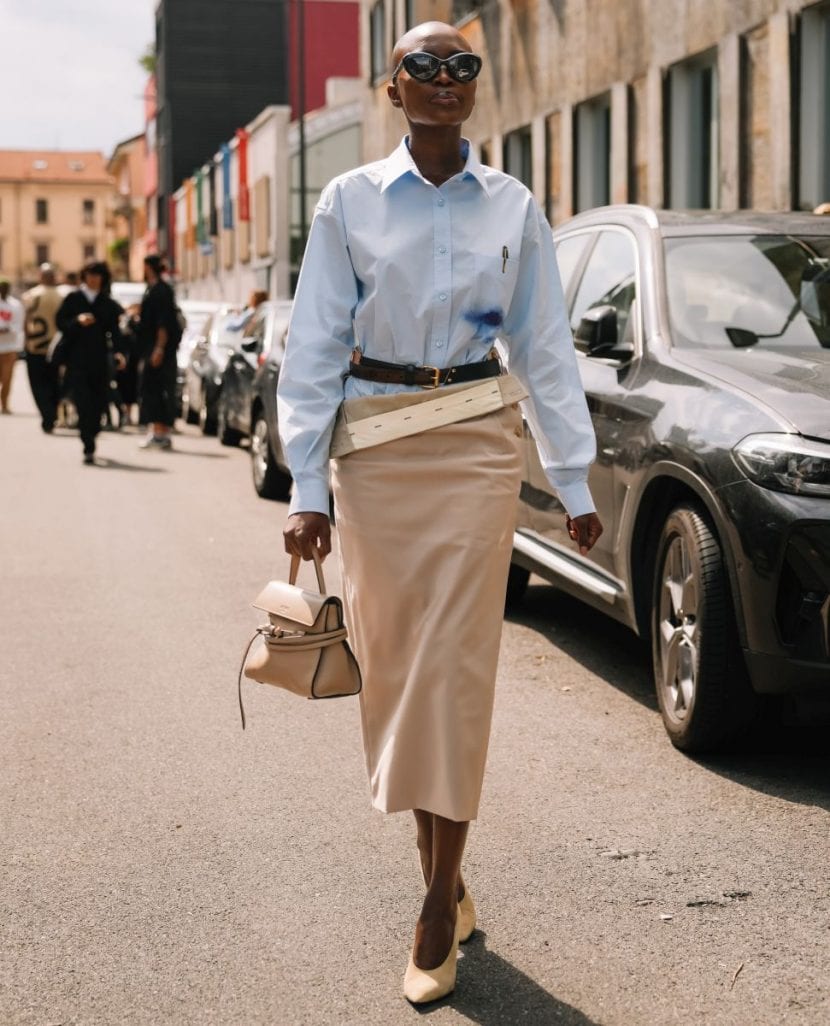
[
  {"x": 439, "y": 343},
  {"x": 443, "y": 296},
  {"x": 442, "y": 249},
  {"x": 440, "y": 202}
]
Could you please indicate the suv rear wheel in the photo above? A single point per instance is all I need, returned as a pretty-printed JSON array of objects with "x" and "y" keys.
[
  {"x": 269, "y": 481},
  {"x": 702, "y": 687},
  {"x": 227, "y": 435}
]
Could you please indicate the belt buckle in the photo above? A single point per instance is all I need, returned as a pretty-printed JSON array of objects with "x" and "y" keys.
[{"x": 436, "y": 377}]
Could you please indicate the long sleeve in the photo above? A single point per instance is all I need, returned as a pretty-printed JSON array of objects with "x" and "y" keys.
[
  {"x": 541, "y": 354},
  {"x": 65, "y": 317},
  {"x": 320, "y": 339}
]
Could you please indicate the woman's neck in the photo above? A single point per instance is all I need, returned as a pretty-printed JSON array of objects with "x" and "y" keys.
[{"x": 436, "y": 152}]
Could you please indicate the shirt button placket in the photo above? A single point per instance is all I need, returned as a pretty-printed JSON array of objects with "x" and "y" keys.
[{"x": 442, "y": 266}]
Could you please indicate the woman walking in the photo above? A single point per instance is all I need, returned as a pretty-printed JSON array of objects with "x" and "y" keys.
[
  {"x": 415, "y": 267},
  {"x": 89, "y": 322}
]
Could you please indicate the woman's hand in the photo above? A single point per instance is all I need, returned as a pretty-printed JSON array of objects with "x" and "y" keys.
[
  {"x": 157, "y": 356},
  {"x": 86, "y": 319},
  {"x": 585, "y": 531},
  {"x": 305, "y": 532}
]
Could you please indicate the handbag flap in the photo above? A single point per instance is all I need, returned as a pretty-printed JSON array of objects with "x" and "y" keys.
[{"x": 290, "y": 602}]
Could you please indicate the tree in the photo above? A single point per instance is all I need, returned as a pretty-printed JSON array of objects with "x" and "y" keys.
[{"x": 148, "y": 59}]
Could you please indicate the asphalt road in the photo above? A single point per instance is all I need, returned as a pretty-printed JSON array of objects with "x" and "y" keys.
[{"x": 161, "y": 866}]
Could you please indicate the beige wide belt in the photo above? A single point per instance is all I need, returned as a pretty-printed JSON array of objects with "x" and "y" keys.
[{"x": 373, "y": 420}]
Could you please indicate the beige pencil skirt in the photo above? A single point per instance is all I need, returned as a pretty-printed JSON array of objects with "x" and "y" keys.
[{"x": 425, "y": 525}]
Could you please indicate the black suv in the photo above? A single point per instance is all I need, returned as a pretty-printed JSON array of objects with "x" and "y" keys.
[{"x": 704, "y": 346}]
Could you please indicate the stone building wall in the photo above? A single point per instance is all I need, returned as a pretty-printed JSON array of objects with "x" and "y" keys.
[{"x": 543, "y": 58}]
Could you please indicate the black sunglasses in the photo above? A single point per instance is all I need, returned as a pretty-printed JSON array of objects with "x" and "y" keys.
[{"x": 463, "y": 67}]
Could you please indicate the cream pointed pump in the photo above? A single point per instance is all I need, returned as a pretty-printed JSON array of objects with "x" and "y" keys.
[{"x": 421, "y": 986}]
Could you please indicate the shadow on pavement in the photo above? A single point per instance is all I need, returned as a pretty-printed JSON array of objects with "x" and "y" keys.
[
  {"x": 109, "y": 464},
  {"x": 600, "y": 644},
  {"x": 787, "y": 757},
  {"x": 175, "y": 451},
  {"x": 492, "y": 992}
]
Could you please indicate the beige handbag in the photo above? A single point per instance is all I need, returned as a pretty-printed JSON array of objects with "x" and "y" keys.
[{"x": 303, "y": 647}]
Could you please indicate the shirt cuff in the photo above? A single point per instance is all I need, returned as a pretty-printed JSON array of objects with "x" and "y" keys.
[
  {"x": 309, "y": 495},
  {"x": 576, "y": 498}
]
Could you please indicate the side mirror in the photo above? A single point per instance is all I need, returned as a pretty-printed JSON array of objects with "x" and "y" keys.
[
  {"x": 599, "y": 332},
  {"x": 742, "y": 338}
]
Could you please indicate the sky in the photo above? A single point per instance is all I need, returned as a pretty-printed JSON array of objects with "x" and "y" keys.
[{"x": 69, "y": 72}]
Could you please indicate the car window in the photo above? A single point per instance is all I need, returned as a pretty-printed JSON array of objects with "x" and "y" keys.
[
  {"x": 610, "y": 279},
  {"x": 568, "y": 254},
  {"x": 741, "y": 291}
]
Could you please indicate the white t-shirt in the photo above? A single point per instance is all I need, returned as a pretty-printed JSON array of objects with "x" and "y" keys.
[{"x": 11, "y": 325}]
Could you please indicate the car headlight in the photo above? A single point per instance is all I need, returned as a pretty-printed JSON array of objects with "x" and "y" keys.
[{"x": 786, "y": 463}]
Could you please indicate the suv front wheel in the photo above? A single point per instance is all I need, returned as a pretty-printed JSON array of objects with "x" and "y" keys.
[{"x": 702, "y": 687}]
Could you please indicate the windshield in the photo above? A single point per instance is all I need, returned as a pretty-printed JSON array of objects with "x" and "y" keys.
[
  {"x": 739, "y": 291},
  {"x": 228, "y": 329}
]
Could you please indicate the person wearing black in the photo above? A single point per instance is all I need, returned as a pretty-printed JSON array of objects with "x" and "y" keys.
[
  {"x": 89, "y": 321},
  {"x": 159, "y": 334}
]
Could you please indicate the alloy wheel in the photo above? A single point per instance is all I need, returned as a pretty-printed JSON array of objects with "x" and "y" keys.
[
  {"x": 678, "y": 627},
  {"x": 259, "y": 452}
]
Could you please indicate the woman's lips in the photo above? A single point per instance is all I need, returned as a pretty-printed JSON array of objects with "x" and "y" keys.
[{"x": 445, "y": 99}]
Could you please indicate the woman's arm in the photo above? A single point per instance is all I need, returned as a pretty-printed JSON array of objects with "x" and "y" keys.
[
  {"x": 320, "y": 340},
  {"x": 542, "y": 356}
]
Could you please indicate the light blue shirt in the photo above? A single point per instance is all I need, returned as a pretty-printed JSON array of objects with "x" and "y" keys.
[{"x": 412, "y": 273}]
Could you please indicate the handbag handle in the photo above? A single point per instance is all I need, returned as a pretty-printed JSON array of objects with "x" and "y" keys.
[{"x": 318, "y": 566}]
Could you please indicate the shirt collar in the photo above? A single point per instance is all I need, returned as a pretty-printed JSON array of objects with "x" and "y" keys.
[{"x": 400, "y": 162}]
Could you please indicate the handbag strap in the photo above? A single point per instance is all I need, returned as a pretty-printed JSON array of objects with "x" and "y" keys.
[
  {"x": 318, "y": 566},
  {"x": 257, "y": 632}
]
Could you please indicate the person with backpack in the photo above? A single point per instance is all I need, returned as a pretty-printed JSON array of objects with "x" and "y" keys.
[{"x": 159, "y": 330}]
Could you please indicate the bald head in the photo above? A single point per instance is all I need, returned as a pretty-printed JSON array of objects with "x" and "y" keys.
[{"x": 427, "y": 35}]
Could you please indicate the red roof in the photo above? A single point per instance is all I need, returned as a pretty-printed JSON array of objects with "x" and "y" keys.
[{"x": 53, "y": 166}]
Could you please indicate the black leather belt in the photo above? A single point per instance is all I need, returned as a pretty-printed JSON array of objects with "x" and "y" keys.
[{"x": 427, "y": 377}]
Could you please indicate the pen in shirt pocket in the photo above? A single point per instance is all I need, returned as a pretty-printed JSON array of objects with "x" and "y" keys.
[{"x": 504, "y": 255}]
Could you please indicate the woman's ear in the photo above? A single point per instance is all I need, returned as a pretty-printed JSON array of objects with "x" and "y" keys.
[{"x": 394, "y": 95}]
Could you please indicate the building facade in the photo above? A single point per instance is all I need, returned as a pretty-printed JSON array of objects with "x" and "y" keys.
[
  {"x": 54, "y": 208},
  {"x": 128, "y": 216},
  {"x": 238, "y": 222},
  {"x": 672, "y": 103},
  {"x": 218, "y": 63}
]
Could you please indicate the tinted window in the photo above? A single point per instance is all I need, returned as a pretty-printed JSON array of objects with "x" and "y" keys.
[
  {"x": 609, "y": 280},
  {"x": 740, "y": 291}
]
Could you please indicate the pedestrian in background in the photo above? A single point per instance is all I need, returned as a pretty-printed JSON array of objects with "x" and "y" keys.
[
  {"x": 71, "y": 280},
  {"x": 42, "y": 304},
  {"x": 11, "y": 340},
  {"x": 160, "y": 334},
  {"x": 415, "y": 267},
  {"x": 89, "y": 321}
]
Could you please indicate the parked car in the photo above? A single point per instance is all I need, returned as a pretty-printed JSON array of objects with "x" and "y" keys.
[
  {"x": 704, "y": 346},
  {"x": 196, "y": 313},
  {"x": 221, "y": 333},
  {"x": 128, "y": 293},
  {"x": 264, "y": 338},
  {"x": 271, "y": 477}
]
